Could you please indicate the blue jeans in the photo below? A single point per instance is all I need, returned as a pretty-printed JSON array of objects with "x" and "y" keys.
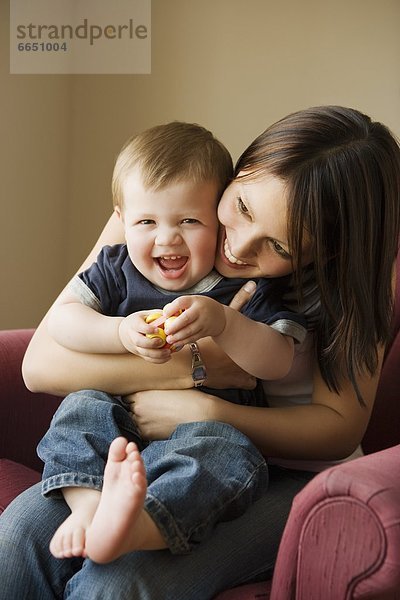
[
  {"x": 237, "y": 552},
  {"x": 205, "y": 473}
]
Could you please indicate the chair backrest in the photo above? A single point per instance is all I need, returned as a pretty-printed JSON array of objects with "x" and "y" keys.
[{"x": 384, "y": 427}]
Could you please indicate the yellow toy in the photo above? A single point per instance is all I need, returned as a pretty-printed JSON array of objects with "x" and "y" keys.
[{"x": 159, "y": 320}]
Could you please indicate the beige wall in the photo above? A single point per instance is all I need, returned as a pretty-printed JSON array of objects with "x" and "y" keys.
[
  {"x": 230, "y": 65},
  {"x": 34, "y": 157}
]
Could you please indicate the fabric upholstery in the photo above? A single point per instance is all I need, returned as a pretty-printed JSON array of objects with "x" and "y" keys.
[
  {"x": 346, "y": 522},
  {"x": 14, "y": 479},
  {"x": 24, "y": 417}
]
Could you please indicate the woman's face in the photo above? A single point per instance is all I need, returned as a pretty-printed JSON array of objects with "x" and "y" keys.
[{"x": 253, "y": 238}]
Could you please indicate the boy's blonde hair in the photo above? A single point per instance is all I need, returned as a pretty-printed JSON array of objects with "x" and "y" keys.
[{"x": 169, "y": 153}]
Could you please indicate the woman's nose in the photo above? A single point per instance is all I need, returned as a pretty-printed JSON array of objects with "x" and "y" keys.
[{"x": 242, "y": 248}]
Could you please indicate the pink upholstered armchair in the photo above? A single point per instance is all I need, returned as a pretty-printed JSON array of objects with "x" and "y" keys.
[{"x": 342, "y": 539}]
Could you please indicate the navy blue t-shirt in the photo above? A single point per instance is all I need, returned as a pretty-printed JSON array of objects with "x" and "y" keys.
[{"x": 115, "y": 287}]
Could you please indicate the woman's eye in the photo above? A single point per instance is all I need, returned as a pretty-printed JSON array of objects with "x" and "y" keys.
[
  {"x": 280, "y": 250},
  {"x": 242, "y": 207}
]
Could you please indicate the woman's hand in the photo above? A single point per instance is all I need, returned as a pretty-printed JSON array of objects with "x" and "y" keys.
[{"x": 157, "y": 413}]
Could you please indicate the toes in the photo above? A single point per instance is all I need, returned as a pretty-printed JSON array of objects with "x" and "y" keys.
[
  {"x": 136, "y": 462},
  {"x": 117, "y": 451},
  {"x": 60, "y": 545},
  {"x": 55, "y": 546},
  {"x": 133, "y": 456},
  {"x": 139, "y": 481},
  {"x": 78, "y": 542},
  {"x": 66, "y": 544},
  {"x": 131, "y": 448}
]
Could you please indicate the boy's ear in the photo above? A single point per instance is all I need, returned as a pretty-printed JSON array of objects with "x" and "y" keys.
[{"x": 117, "y": 211}]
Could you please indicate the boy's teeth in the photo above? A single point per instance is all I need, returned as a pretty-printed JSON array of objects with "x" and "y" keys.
[
  {"x": 175, "y": 262},
  {"x": 232, "y": 259}
]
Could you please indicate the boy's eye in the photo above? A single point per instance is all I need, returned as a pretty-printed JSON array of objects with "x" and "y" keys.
[
  {"x": 242, "y": 207},
  {"x": 146, "y": 222},
  {"x": 190, "y": 220}
]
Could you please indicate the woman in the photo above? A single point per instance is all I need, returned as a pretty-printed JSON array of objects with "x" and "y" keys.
[{"x": 317, "y": 194}]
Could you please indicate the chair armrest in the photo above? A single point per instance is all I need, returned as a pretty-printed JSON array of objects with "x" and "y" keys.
[
  {"x": 342, "y": 538},
  {"x": 24, "y": 416}
]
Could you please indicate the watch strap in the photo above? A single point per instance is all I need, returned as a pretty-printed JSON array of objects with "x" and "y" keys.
[{"x": 199, "y": 373}]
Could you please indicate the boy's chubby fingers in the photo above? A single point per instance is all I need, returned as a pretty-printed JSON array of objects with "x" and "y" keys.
[
  {"x": 176, "y": 324},
  {"x": 178, "y": 306},
  {"x": 243, "y": 295},
  {"x": 157, "y": 361},
  {"x": 155, "y": 355},
  {"x": 152, "y": 341}
]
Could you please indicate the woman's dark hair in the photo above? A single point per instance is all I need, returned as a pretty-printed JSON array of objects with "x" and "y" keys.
[{"x": 342, "y": 176}]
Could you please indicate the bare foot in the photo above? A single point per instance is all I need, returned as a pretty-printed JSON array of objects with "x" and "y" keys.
[
  {"x": 119, "y": 518},
  {"x": 70, "y": 538}
]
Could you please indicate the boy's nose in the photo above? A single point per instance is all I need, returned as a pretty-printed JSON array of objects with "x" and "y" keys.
[{"x": 168, "y": 237}]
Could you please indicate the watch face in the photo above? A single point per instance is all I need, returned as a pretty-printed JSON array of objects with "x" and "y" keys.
[{"x": 198, "y": 373}]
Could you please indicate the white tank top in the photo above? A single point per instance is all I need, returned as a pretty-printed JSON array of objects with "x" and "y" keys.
[{"x": 296, "y": 389}]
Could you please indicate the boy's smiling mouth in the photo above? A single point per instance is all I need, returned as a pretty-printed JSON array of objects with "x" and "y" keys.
[{"x": 172, "y": 266}]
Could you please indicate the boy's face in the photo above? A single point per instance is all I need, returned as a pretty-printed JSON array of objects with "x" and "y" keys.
[{"x": 171, "y": 233}]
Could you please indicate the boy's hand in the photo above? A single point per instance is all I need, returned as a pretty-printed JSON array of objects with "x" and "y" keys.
[
  {"x": 201, "y": 317},
  {"x": 133, "y": 330}
]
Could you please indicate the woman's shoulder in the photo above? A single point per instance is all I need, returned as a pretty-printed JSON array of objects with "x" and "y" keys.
[{"x": 283, "y": 290}]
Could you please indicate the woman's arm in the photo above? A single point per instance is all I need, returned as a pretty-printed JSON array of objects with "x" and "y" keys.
[
  {"x": 49, "y": 367},
  {"x": 330, "y": 428}
]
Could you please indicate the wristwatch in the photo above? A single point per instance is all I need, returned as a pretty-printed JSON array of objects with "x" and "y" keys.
[{"x": 199, "y": 373}]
